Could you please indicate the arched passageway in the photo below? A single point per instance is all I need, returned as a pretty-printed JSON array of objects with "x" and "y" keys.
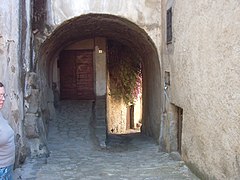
[{"x": 120, "y": 30}]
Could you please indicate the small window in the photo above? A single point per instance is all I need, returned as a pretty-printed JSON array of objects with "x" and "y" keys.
[
  {"x": 169, "y": 26},
  {"x": 167, "y": 78}
]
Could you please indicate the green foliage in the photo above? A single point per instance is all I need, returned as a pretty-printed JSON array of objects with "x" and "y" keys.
[{"x": 125, "y": 73}]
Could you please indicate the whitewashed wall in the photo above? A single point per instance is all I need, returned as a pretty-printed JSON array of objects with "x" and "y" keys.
[
  {"x": 146, "y": 14},
  {"x": 205, "y": 82}
]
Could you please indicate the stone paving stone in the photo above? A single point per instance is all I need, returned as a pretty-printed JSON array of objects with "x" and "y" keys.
[{"x": 74, "y": 155}]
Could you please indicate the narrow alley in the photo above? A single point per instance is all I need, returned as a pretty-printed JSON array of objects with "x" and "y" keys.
[{"x": 76, "y": 155}]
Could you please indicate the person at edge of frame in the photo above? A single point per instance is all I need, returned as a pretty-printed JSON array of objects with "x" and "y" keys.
[{"x": 7, "y": 142}]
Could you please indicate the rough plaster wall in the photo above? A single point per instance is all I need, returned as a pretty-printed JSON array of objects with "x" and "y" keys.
[
  {"x": 145, "y": 13},
  {"x": 16, "y": 56},
  {"x": 151, "y": 97},
  {"x": 205, "y": 73},
  {"x": 117, "y": 113},
  {"x": 9, "y": 36},
  {"x": 138, "y": 111},
  {"x": 10, "y": 71}
]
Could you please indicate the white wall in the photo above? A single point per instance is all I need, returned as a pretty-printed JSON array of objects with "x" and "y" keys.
[
  {"x": 205, "y": 82},
  {"x": 100, "y": 66},
  {"x": 145, "y": 13}
]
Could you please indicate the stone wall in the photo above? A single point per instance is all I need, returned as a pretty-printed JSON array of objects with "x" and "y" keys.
[
  {"x": 36, "y": 117},
  {"x": 204, "y": 68}
]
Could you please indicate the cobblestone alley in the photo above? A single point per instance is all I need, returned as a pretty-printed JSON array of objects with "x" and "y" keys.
[{"x": 76, "y": 155}]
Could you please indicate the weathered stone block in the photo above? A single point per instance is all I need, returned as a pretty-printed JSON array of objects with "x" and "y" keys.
[
  {"x": 51, "y": 111},
  {"x": 31, "y": 126},
  {"x": 38, "y": 148},
  {"x": 31, "y": 80},
  {"x": 50, "y": 96},
  {"x": 33, "y": 101}
]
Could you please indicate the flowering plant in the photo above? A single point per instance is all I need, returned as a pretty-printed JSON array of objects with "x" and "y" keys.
[{"x": 124, "y": 72}]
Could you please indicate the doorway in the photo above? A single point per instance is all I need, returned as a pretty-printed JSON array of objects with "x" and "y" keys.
[
  {"x": 76, "y": 75},
  {"x": 179, "y": 128}
]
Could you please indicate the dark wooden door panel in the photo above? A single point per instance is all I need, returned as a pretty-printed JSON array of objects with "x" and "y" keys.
[{"x": 76, "y": 75}]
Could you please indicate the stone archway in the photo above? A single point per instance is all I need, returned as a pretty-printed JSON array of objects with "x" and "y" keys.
[{"x": 118, "y": 29}]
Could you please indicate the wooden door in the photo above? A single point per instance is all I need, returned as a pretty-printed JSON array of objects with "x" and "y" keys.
[
  {"x": 179, "y": 133},
  {"x": 76, "y": 75},
  {"x": 130, "y": 117}
]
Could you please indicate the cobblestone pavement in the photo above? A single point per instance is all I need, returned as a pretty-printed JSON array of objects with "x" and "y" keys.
[{"x": 75, "y": 154}]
